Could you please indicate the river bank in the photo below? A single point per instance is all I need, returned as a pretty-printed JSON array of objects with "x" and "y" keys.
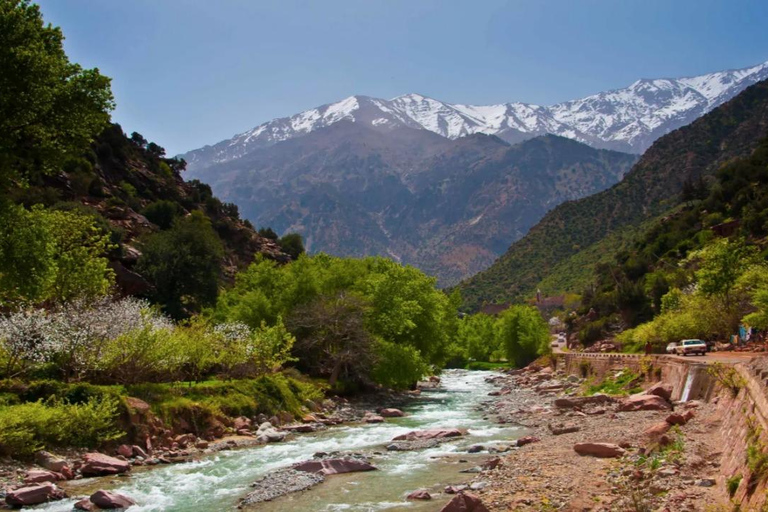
[
  {"x": 218, "y": 481},
  {"x": 647, "y": 463}
]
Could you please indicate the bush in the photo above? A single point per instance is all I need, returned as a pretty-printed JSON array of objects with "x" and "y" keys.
[
  {"x": 397, "y": 366},
  {"x": 29, "y": 427}
]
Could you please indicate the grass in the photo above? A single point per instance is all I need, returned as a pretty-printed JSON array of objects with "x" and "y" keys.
[{"x": 622, "y": 384}]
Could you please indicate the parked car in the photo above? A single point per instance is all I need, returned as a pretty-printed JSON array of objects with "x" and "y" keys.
[
  {"x": 691, "y": 347},
  {"x": 672, "y": 347}
]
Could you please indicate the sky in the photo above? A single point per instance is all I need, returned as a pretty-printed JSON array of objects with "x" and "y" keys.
[{"x": 187, "y": 73}]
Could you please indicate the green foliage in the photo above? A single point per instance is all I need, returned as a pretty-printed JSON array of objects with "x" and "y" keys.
[
  {"x": 163, "y": 213},
  {"x": 622, "y": 384},
  {"x": 50, "y": 108},
  {"x": 183, "y": 264},
  {"x": 268, "y": 233},
  {"x": 476, "y": 333},
  {"x": 397, "y": 366},
  {"x": 292, "y": 244},
  {"x": 732, "y": 484},
  {"x": 51, "y": 255},
  {"x": 727, "y": 376},
  {"x": 29, "y": 427},
  {"x": 523, "y": 334}
]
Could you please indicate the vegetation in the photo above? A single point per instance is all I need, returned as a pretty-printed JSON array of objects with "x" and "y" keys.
[{"x": 624, "y": 383}]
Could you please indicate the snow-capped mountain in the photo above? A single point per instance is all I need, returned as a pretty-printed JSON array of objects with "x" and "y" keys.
[{"x": 627, "y": 119}]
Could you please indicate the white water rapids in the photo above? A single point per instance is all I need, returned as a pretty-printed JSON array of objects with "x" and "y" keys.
[{"x": 218, "y": 481}]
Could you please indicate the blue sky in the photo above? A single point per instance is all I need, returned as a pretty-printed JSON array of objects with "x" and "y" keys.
[{"x": 192, "y": 72}]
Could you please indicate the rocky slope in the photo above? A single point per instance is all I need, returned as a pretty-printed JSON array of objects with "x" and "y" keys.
[
  {"x": 448, "y": 207},
  {"x": 651, "y": 188},
  {"x": 628, "y": 119}
]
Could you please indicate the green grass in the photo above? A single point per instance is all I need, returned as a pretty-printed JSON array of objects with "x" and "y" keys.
[
  {"x": 623, "y": 384},
  {"x": 484, "y": 366}
]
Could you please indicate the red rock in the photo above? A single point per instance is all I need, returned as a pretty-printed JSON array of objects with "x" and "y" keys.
[
  {"x": 309, "y": 418},
  {"x": 34, "y": 494},
  {"x": 490, "y": 464},
  {"x": 50, "y": 461},
  {"x": 334, "y": 466},
  {"x": 465, "y": 502},
  {"x": 429, "y": 434},
  {"x": 676, "y": 419},
  {"x": 85, "y": 504},
  {"x": 37, "y": 476},
  {"x": 244, "y": 432},
  {"x": 527, "y": 440},
  {"x": 644, "y": 403},
  {"x": 98, "y": 464},
  {"x": 689, "y": 415},
  {"x": 108, "y": 499},
  {"x": 454, "y": 489},
  {"x": 125, "y": 450},
  {"x": 655, "y": 431},
  {"x": 420, "y": 494},
  {"x": 241, "y": 423},
  {"x": 373, "y": 418},
  {"x": 603, "y": 450},
  {"x": 580, "y": 401},
  {"x": 201, "y": 445},
  {"x": 392, "y": 413},
  {"x": 660, "y": 389},
  {"x": 138, "y": 451}
]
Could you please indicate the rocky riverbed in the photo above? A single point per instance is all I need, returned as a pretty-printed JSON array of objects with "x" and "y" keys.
[{"x": 601, "y": 453}]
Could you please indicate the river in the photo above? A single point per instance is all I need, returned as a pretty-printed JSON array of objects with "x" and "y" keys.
[{"x": 217, "y": 482}]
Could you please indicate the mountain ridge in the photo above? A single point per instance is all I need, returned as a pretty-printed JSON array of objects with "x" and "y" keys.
[{"x": 626, "y": 119}]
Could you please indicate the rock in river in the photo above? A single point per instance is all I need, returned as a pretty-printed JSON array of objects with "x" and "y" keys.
[
  {"x": 34, "y": 495},
  {"x": 98, "y": 464},
  {"x": 334, "y": 466},
  {"x": 429, "y": 434}
]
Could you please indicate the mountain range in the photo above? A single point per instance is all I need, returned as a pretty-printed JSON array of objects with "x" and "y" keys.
[{"x": 445, "y": 187}]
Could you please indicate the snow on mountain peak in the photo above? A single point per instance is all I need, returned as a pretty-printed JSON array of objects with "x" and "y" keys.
[{"x": 628, "y": 119}]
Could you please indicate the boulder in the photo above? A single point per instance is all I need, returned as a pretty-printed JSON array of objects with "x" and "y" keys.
[
  {"x": 109, "y": 500},
  {"x": 465, "y": 502},
  {"x": 420, "y": 494},
  {"x": 644, "y": 403},
  {"x": 602, "y": 450},
  {"x": 429, "y": 434},
  {"x": 391, "y": 413},
  {"x": 269, "y": 434},
  {"x": 689, "y": 415},
  {"x": 676, "y": 419},
  {"x": 241, "y": 423},
  {"x": 661, "y": 389},
  {"x": 455, "y": 489},
  {"x": 50, "y": 461},
  {"x": 125, "y": 450},
  {"x": 34, "y": 495},
  {"x": 581, "y": 401},
  {"x": 558, "y": 429},
  {"x": 527, "y": 440},
  {"x": 85, "y": 504},
  {"x": 657, "y": 430},
  {"x": 334, "y": 466},
  {"x": 98, "y": 464},
  {"x": 38, "y": 476},
  {"x": 138, "y": 451},
  {"x": 373, "y": 418},
  {"x": 490, "y": 464}
]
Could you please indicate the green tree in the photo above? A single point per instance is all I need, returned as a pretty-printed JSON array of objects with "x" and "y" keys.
[
  {"x": 183, "y": 264},
  {"x": 292, "y": 244},
  {"x": 163, "y": 213},
  {"x": 523, "y": 333},
  {"x": 50, "y": 108},
  {"x": 477, "y": 336},
  {"x": 719, "y": 266}
]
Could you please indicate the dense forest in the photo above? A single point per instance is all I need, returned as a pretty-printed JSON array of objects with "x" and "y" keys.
[{"x": 119, "y": 280}]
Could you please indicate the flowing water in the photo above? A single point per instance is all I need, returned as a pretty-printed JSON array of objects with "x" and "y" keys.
[{"x": 218, "y": 481}]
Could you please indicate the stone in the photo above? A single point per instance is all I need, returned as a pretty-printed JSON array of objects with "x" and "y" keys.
[
  {"x": 676, "y": 419},
  {"x": 706, "y": 482},
  {"x": 581, "y": 401},
  {"x": 465, "y": 502},
  {"x": 429, "y": 434},
  {"x": 478, "y": 486},
  {"x": 241, "y": 423},
  {"x": 201, "y": 444},
  {"x": 85, "y": 504},
  {"x": 527, "y": 440},
  {"x": 644, "y": 403},
  {"x": 269, "y": 434},
  {"x": 334, "y": 466},
  {"x": 602, "y": 450},
  {"x": 660, "y": 389},
  {"x": 110, "y": 500},
  {"x": 138, "y": 451},
  {"x": 98, "y": 464},
  {"x": 490, "y": 464},
  {"x": 420, "y": 494},
  {"x": 657, "y": 430},
  {"x": 689, "y": 415},
  {"x": 563, "y": 429},
  {"x": 34, "y": 495},
  {"x": 50, "y": 461},
  {"x": 373, "y": 418},
  {"x": 125, "y": 451},
  {"x": 37, "y": 476},
  {"x": 392, "y": 413},
  {"x": 477, "y": 448},
  {"x": 455, "y": 489}
]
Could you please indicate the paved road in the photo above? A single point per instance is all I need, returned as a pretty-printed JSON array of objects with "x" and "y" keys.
[{"x": 708, "y": 358}]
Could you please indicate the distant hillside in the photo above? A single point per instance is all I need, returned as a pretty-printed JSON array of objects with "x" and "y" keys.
[
  {"x": 120, "y": 180},
  {"x": 652, "y": 187},
  {"x": 448, "y": 207}
]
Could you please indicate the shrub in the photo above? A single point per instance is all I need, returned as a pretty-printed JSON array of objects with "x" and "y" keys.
[
  {"x": 29, "y": 427},
  {"x": 732, "y": 484}
]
